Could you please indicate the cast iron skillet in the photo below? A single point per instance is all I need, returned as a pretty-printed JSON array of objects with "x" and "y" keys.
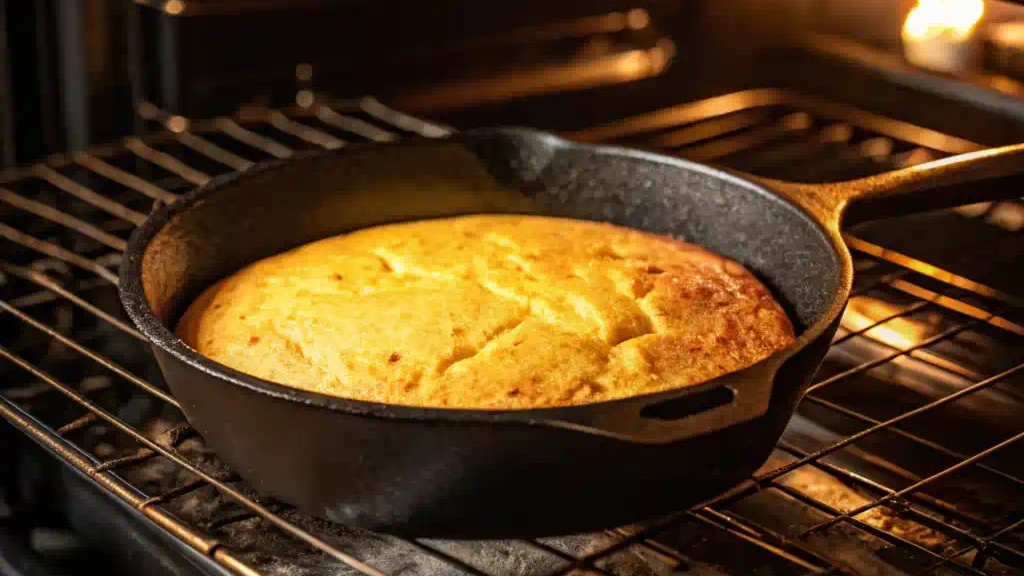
[{"x": 474, "y": 473}]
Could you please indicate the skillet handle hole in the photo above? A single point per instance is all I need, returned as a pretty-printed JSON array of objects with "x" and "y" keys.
[{"x": 689, "y": 405}]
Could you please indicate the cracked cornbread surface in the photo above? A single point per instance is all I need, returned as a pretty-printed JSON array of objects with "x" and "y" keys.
[{"x": 489, "y": 312}]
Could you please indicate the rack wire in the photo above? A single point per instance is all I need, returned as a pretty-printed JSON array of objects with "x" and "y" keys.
[{"x": 838, "y": 497}]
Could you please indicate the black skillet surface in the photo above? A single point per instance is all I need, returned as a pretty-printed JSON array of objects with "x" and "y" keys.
[{"x": 473, "y": 473}]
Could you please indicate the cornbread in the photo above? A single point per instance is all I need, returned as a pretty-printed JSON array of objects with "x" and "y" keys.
[{"x": 489, "y": 312}]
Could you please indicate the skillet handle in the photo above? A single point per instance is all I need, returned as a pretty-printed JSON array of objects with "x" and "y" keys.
[
  {"x": 995, "y": 174},
  {"x": 680, "y": 414}
]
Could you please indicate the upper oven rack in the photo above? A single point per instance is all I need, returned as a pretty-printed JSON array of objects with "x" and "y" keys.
[{"x": 181, "y": 154}]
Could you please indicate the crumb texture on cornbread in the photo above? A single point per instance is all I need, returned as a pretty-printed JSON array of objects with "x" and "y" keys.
[{"x": 489, "y": 312}]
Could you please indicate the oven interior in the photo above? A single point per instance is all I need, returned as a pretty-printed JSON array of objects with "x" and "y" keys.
[{"x": 906, "y": 456}]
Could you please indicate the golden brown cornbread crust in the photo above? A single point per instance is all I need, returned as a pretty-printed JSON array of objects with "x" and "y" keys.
[{"x": 489, "y": 312}]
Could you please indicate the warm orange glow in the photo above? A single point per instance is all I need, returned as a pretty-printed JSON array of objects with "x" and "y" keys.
[
  {"x": 899, "y": 333},
  {"x": 174, "y": 7},
  {"x": 954, "y": 19},
  {"x": 177, "y": 124},
  {"x": 638, "y": 18}
]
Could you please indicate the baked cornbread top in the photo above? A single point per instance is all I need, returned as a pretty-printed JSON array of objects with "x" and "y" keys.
[{"x": 489, "y": 312}]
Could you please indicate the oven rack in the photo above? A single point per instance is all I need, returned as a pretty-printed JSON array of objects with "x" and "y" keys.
[{"x": 71, "y": 215}]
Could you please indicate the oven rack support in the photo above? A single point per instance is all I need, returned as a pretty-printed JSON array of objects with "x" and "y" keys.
[{"x": 708, "y": 130}]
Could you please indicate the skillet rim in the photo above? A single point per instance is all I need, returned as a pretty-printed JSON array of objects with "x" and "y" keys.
[{"x": 133, "y": 299}]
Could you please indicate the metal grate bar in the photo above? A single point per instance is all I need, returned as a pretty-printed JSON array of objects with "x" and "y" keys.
[
  {"x": 916, "y": 306},
  {"x": 49, "y": 284},
  {"x": 86, "y": 463},
  {"x": 879, "y": 533},
  {"x": 232, "y": 562},
  {"x": 894, "y": 342},
  {"x": 166, "y": 161},
  {"x": 918, "y": 485},
  {"x": 45, "y": 297},
  {"x": 303, "y": 132},
  {"x": 551, "y": 550},
  {"x": 758, "y": 98},
  {"x": 912, "y": 437},
  {"x": 751, "y": 487},
  {"x": 85, "y": 194},
  {"x": 66, "y": 220},
  {"x": 180, "y": 491},
  {"x": 58, "y": 252},
  {"x": 944, "y": 335},
  {"x": 981, "y": 546},
  {"x": 123, "y": 178},
  {"x": 881, "y": 282},
  {"x": 149, "y": 450},
  {"x": 211, "y": 150},
  {"x": 227, "y": 490},
  {"x": 77, "y": 423},
  {"x": 257, "y": 141},
  {"x": 988, "y": 382},
  {"x": 831, "y": 139},
  {"x": 462, "y": 565},
  {"x": 902, "y": 506},
  {"x": 374, "y": 108},
  {"x": 896, "y": 280},
  {"x": 683, "y": 114},
  {"x": 930, "y": 270},
  {"x": 179, "y": 127},
  {"x": 957, "y": 306},
  {"x": 732, "y": 117},
  {"x": 794, "y": 123},
  {"x": 182, "y": 169},
  {"x": 140, "y": 456},
  {"x": 105, "y": 362},
  {"x": 171, "y": 438},
  {"x": 758, "y": 538},
  {"x": 708, "y": 129},
  {"x": 625, "y": 540},
  {"x": 353, "y": 125}
]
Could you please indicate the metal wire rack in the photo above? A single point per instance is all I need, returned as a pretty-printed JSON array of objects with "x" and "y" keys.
[{"x": 928, "y": 364}]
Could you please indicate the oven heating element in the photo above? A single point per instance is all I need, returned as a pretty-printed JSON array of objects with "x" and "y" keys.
[{"x": 904, "y": 458}]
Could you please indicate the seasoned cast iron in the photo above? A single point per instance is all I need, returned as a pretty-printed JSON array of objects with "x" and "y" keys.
[{"x": 477, "y": 473}]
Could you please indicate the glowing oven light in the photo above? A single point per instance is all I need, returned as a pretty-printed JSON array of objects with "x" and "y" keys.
[
  {"x": 932, "y": 18},
  {"x": 940, "y": 34}
]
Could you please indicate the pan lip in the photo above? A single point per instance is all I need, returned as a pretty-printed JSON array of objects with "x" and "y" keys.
[{"x": 159, "y": 335}]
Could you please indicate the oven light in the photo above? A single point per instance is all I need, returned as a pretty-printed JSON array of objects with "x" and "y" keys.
[
  {"x": 932, "y": 18},
  {"x": 940, "y": 34}
]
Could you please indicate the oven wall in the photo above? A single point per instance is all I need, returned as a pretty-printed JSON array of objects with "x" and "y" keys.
[{"x": 74, "y": 80}]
